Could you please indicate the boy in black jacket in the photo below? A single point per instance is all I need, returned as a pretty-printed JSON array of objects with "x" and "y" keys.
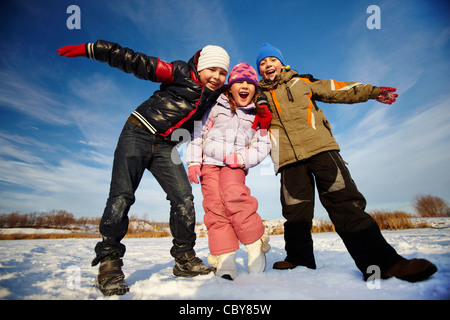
[{"x": 187, "y": 90}]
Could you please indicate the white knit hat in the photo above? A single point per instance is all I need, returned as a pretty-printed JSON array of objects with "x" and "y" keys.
[{"x": 213, "y": 57}]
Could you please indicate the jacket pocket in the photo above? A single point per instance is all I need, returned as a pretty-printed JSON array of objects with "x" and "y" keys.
[{"x": 328, "y": 126}]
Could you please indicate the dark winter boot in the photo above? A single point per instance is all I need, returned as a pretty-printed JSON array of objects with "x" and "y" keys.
[
  {"x": 413, "y": 270},
  {"x": 188, "y": 265},
  {"x": 283, "y": 265},
  {"x": 110, "y": 276}
]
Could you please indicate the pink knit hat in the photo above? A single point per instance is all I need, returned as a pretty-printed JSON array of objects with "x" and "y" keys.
[{"x": 243, "y": 72}]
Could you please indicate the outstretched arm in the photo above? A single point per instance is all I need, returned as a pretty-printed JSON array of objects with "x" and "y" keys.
[
  {"x": 125, "y": 59},
  {"x": 332, "y": 91}
]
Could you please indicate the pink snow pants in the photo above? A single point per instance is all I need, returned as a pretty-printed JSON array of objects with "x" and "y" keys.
[{"x": 230, "y": 210}]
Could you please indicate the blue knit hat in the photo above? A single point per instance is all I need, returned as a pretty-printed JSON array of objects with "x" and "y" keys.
[{"x": 267, "y": 50}]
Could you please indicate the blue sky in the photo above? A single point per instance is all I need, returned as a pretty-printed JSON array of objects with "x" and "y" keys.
[{"x": 60, "y": 118}]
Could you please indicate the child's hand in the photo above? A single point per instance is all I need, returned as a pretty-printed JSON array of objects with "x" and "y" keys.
[
  {"x": 73, "y": 51},
  {"x": 387, "y": 95},
  {"x": 193, "y": 172},
  {"x": 263, "y": 118},
  {"x": 233, "y": 161},
  {"x": 263, "y": 115}
]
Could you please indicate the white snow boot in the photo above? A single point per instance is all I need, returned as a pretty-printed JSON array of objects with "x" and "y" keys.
[
  {"x": 225, "y": 265},
  {"x": 257, "y": 254}
]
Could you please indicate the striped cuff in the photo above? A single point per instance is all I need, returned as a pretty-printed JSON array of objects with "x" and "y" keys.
[{"x": 90, "y": 50}]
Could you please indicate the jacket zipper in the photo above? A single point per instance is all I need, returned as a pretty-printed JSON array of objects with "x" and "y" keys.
[
  {"x": 289, "y": 94},
  {"x": 278, "y": 109}
]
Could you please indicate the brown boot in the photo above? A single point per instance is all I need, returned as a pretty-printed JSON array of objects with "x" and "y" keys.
[
  {"x": 283, "y": 265},
  {"x": 413, "y": 270}
]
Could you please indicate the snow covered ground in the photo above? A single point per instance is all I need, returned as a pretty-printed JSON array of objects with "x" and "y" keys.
[{"x": 60, "y": 269}]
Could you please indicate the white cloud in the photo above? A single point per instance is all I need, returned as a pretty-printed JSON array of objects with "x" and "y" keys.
[
  {"x": 189, "y": 25},
  {"x": 15, "y": 147},
  {"x": 78, "y": 183},
  {"x": 403, "y": 156},
  {"x": 21, "y": 95},
  {"x": 99, "y": 107},
  {"x": 48, "y": 186}
]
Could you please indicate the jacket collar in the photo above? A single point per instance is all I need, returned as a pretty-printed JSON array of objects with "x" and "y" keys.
[
  {"x": 283, "y": 77},
  {"x": 192, "y": 64},
  {"x": 223, "y": 101}
]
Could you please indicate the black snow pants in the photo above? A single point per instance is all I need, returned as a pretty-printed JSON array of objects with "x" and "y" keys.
[{"x": 345, "y": 206}]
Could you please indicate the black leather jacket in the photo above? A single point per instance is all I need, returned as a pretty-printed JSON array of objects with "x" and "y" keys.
[{"x": 181, "y": 99}]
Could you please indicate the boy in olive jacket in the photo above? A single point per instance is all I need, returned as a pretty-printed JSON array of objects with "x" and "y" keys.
[{"x": 306, "y": 153}]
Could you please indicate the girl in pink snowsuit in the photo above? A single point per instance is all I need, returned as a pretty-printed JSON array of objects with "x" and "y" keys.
[{"x": 220, "y": 153}]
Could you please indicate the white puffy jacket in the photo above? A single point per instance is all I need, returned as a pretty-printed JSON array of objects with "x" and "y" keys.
[{"x": 223, "y": 132}]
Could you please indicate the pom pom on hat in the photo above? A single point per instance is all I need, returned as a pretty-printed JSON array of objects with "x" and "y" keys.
[
  {"x": 243, "y": 72},
  {"x": 267, "y": 50},
  {"x": 213, "y": 57}
]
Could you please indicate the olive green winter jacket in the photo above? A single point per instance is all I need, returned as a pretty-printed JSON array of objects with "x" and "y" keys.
[{"x": 299, "y": 126}]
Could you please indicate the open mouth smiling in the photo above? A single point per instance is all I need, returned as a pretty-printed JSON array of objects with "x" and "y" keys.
[{"x": 243, "y": 95}]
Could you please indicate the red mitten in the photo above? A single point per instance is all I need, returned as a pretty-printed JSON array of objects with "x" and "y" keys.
[
  {"x": 73, "y": 51},
  {"x": 263, "y": 115},
  {"x": 387, "y": 95},
  {"x": 193, "y": 172},
  {"x": 233, "y": 161}
]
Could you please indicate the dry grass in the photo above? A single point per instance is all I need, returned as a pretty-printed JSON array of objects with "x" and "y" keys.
[
  {"x": 61, "y": 219},
  {"x": 323, "y": 226},
  {"x": 392, "y": 220},
  {"x": 79, "y": 235},
  {"x": 148, "y": 234},
  {"x": 279, "y": 229},
  {"x": 387, "y": 220},
  {"x": 35, "y": 236}
]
